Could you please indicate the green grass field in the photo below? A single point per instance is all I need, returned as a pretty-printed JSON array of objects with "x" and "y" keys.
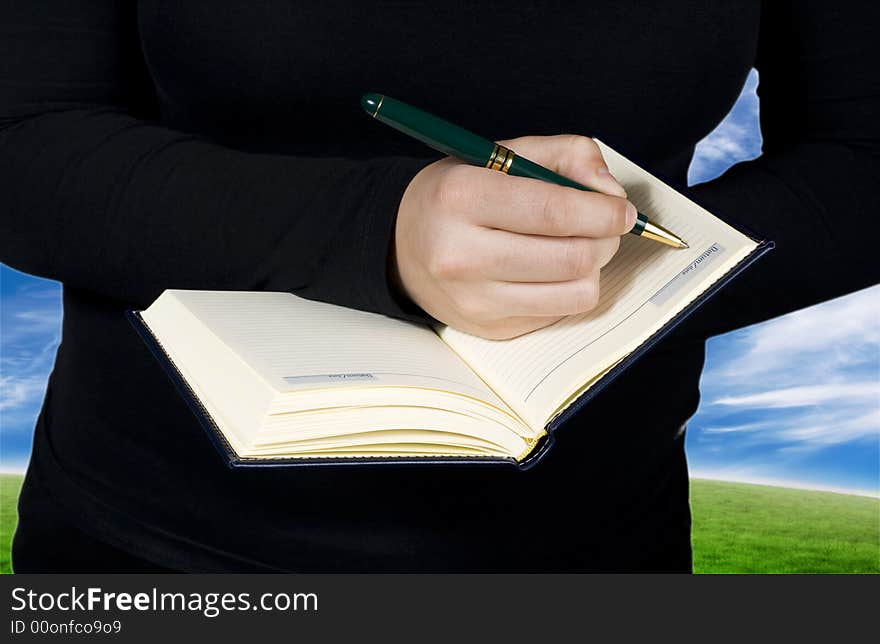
[
  {"x": 738, "y": 528},
  {"x": 10, "y": 484},
  {"x": 744, "y": 528}
]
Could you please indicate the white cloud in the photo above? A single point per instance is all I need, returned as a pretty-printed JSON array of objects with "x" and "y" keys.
[
  {"x": 30, "y": 321},
  {"x": 823, "y": 339},
  {"x": 16, "y": 392},
  {"x": 732, "y": 429},
  {"x": 727, "y": 142},
  {"x": 737, "y": 138},
  {"x": 31, "y": 314},
  {"x": 807, "y": 396},
  {"x": 803, "y": 432},
  {"x": 799, "y": 384},
  {"x": 833, "y": 431}
]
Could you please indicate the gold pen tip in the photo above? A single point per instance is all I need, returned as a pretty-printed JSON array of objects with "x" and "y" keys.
[{"x": 660, "y": 234}]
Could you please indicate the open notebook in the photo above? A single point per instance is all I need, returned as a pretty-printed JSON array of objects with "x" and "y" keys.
[{"x": 280, "y": 380}]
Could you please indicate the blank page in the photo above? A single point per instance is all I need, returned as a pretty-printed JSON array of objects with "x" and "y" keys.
[
  {"x": 642, "y": 288},
  {"x": 295, "y": 344}
]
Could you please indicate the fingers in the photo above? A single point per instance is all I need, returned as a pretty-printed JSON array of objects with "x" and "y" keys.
[
  {"x": 573, "y": 156},
  {"x": 544, "y": 300},
  {"x": 510, "y": 257},
  {"x": 509, "y": 327},
  {"x": 533, "y": 207},
  {"x": 499, "y": 255}
]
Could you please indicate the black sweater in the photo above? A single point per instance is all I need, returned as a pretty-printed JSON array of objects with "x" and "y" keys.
[{"x": 220, "y": 145}]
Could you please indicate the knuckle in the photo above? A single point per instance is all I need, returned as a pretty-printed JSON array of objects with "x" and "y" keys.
[
  {"x": 582, "y": 146},
  {"x": 575, "y": 258},
  {"x": 445, "y": 262},
  {"x": 587, "y": 295},
  {"x": 553, "y": 214},
  {"x": 579, "y": 153},
  {"x": 472, "y": 309},
  {"x": 449, "y": 188}
]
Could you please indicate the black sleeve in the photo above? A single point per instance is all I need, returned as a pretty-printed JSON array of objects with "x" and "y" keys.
[
  {"x": 100, "y": 197},
  {"x": 815, "y": 188}
]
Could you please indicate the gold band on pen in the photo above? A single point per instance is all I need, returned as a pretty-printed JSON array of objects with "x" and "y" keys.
[
  {"x": 500, "y": 159},
  {"x": 493, "y": 156}
]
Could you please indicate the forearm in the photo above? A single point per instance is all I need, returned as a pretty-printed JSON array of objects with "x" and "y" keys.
[
  {"x": 817, "y": 201},
  {"x": 126, "y": 208}
]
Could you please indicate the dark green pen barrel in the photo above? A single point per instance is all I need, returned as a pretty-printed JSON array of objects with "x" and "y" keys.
[
  {"x": 641, "y": 220},
  {"x": 459, "y": 143},
  {"x": 441, "y": 135},
  {"x": 522, "y": 167}
]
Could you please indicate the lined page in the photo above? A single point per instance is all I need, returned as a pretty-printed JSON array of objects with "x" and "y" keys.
[
  {"x": 298, "y": 344},
  {"x": 642, "y": 288}
]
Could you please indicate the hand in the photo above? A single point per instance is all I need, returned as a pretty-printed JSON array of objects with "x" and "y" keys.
[{"x": 497, "y": 255}]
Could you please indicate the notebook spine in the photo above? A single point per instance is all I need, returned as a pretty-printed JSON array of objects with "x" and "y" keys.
[{"x": 542, "y": 447}]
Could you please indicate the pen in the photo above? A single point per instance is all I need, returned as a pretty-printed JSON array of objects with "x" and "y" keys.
[{"x": 476, "y": 150}]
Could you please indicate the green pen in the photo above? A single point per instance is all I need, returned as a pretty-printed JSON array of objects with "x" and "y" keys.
[{"x": 459, "y": 143}]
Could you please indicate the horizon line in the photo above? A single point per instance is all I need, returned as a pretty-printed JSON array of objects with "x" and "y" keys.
[{"x": 785, "y": 483}]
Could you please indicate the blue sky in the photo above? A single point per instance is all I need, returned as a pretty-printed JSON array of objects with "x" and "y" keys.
[
  {"x": 796, "y": 400},
  {"x": 793, "y": 401}
]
